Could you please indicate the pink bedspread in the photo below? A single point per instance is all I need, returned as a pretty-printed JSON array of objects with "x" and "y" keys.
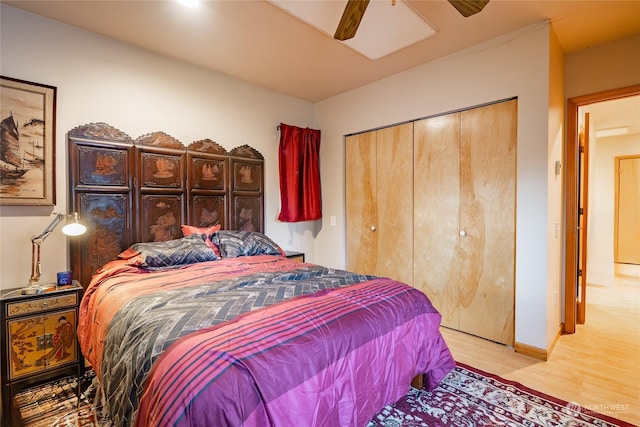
[{"x": 323, "y": 348}]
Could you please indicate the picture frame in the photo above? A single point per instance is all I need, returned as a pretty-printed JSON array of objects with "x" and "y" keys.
[{"x": 27, "y": 145}]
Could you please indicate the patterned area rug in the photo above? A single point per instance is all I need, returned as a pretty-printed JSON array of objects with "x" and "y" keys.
[
  {"x": 56, "y": 404},
  {"x": 467, "y": 397}
]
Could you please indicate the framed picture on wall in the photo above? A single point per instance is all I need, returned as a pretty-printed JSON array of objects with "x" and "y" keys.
[{"x": 27, "y": 146}]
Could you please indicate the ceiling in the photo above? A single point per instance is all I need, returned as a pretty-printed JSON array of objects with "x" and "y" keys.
[{"x": 258, "y": 42}]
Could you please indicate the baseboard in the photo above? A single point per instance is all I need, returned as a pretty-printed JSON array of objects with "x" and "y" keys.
[
  {"x": 555, "y": 339},
  {"x": 536, "y": 352},
  {"x": 529, "y": 350}
]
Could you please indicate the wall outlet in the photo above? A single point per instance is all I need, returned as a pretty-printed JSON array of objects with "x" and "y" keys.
[{"x": 333, "y": 220}]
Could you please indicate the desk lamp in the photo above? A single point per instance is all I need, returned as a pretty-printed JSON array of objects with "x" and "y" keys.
[{"x": 72, "y": 228}]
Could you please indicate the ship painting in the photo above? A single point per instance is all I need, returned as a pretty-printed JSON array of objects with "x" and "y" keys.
[
  {"x": 33, "y": 155},
  {"x": 11, "y": 160},
  {"x": 27, "y": 143}
]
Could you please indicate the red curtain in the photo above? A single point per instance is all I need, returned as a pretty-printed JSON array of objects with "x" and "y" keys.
[{"x": 299, "y": 163}]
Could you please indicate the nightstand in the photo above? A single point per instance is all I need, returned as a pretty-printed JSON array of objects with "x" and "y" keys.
[
  {"x": 38, "y": 340},
  {"x": 297, "y": 256}
]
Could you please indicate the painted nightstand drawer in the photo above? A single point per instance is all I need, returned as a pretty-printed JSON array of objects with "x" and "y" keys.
[{"x": 27, "y": 307}]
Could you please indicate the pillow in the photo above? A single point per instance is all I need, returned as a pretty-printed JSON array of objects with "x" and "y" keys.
[
  {"x": 128, "y": 253},
  {"x": 233, "y": 243},
  {"x": 188, "y": 230},
  {"x": 187, "y": 250}
]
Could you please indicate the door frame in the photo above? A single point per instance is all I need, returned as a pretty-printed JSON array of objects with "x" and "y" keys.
[
  {"x": 583, "y": 205},
  {"x": 572, "y": 175}
]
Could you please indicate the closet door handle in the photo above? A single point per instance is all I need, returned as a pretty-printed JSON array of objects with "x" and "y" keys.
[
  {"x": 463, "y": 233},
  {"x": 373, "y": 228}
]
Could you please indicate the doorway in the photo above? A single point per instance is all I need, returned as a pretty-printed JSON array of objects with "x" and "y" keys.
[{"x": 576, "y": 211}]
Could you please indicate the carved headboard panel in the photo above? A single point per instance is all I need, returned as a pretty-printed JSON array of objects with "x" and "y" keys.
[{"x": 142, "y": 190}]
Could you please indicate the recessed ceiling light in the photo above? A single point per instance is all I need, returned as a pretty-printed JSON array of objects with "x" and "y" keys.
[
  {"x": 600, "y": 133},
  {"x": 189, "y": 3}
]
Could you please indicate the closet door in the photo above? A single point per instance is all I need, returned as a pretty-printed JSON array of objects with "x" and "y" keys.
[
  {"x": 464, "y": 218},
  {"x": 379, "y": 202},
  {"x": 437, "y": 202},
  {"x": 361, "y": 202},
  {"x": 627, "y": 210},
  {"x": 394, "y": 165},
  {"x": 487, "y": 220}
]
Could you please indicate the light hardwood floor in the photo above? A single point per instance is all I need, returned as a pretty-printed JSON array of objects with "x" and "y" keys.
[{"x": 598, "y": 367}]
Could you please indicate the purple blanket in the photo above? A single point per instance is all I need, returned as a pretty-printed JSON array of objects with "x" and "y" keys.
[
  {"x": 333, "y": 358},
  {"x": 257, "y": 340}
]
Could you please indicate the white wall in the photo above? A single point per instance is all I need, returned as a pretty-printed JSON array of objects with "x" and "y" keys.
[
  {"x": 101, "y": 80},
  {"x": 601, "y": 68},
  {"x": 515, "y": 65}
]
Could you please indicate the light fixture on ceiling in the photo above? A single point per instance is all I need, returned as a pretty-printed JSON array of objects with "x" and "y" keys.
[
  {"x": 190, "y": 3},
  {"x": 622, "y": 130},
  {"x": 384, "y": 29}
]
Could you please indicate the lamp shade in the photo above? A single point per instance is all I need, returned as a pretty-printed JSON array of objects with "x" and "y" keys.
[{"x": 73, "y": 227}]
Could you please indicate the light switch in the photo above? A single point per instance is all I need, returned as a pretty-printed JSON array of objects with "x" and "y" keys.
[{"x": 558, "y": 167}]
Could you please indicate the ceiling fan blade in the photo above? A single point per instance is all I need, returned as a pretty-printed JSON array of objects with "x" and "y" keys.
[
  {"x": 469, "y": 7},
  {"x": 350, "y": 21}
]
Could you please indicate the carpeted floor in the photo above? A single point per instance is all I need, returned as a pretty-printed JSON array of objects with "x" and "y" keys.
[{"x": 466, "y": 397}]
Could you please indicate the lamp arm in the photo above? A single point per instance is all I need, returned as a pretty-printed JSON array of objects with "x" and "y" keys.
[
  {"x": 45, "y": 233},
  {"x": 36, "y": 241},
  {"x": 35, "y": 262}
]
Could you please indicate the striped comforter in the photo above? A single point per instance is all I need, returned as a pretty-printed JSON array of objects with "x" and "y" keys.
[{"x": 257, "y": 341}]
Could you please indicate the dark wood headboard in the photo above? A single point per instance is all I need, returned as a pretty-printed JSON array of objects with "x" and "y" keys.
[{"x": 143, "y": 190}]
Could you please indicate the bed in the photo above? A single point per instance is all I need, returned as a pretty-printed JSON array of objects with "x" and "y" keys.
[{"x": 214, "y": 326}]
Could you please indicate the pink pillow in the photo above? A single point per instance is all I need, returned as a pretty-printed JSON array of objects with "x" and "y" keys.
[
  {"x": 128, "y": 253},
  {"x": 188, "y": 230}
]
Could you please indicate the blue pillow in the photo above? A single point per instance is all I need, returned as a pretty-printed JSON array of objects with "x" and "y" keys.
[
  {"x": 234, "y": 243},
  {"x": 187, "y": 250}
]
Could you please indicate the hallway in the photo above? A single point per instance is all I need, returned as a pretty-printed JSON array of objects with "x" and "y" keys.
[{"x": 598, "y": 367}]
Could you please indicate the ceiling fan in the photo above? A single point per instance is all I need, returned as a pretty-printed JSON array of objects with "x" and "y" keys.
[{"x": 354, "y": 11}]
